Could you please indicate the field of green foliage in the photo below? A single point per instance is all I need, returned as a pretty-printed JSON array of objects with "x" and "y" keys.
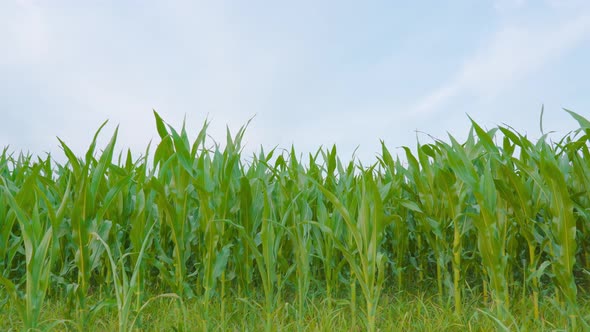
[{"x": 494, "y": 230}]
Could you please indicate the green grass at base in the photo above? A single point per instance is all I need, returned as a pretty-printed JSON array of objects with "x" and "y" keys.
[{"x": 397, "y": 312}]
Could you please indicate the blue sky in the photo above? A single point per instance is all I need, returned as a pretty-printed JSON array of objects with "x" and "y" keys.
[{"x": 313, "y": 72}]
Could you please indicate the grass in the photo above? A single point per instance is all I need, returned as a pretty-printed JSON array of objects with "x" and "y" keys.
[
  {"x": 397, "y": 312},
  {"x": 490, "y": 233}
]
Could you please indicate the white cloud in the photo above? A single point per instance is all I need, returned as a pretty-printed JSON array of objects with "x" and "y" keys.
[
  {"x": 569, "y": 4},
  {"x": 222, "y": 73},
  {"x": 23, "y": 33},
  {"x": 512, "y": 53},
  {"x": 505, "y": 5},
  {"x": 85, "y": 63}
]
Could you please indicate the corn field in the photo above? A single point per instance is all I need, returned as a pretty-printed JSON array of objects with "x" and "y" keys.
[{"x": 497, "y": 216}]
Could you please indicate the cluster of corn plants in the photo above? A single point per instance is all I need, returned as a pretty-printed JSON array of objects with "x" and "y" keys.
[{"x": 200, "y": 220}]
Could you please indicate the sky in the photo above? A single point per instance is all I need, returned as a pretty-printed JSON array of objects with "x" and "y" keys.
[{"x": 309, "y": 73}]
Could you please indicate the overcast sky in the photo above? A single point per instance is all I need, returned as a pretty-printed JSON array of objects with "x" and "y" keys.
[{"x": 313, "y": 72}]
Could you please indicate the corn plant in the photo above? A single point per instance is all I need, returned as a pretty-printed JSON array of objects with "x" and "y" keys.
[
  {"x": 366, "y": 260},
  {"x": 37, "y": 236},
  {"x": 491, "y": 222},
  {"x": 200, "y": 221},
  {"x": 562, "y": 229},
  {"x": 125, "y": 287},
  {"x": 266, "y": 248}
]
